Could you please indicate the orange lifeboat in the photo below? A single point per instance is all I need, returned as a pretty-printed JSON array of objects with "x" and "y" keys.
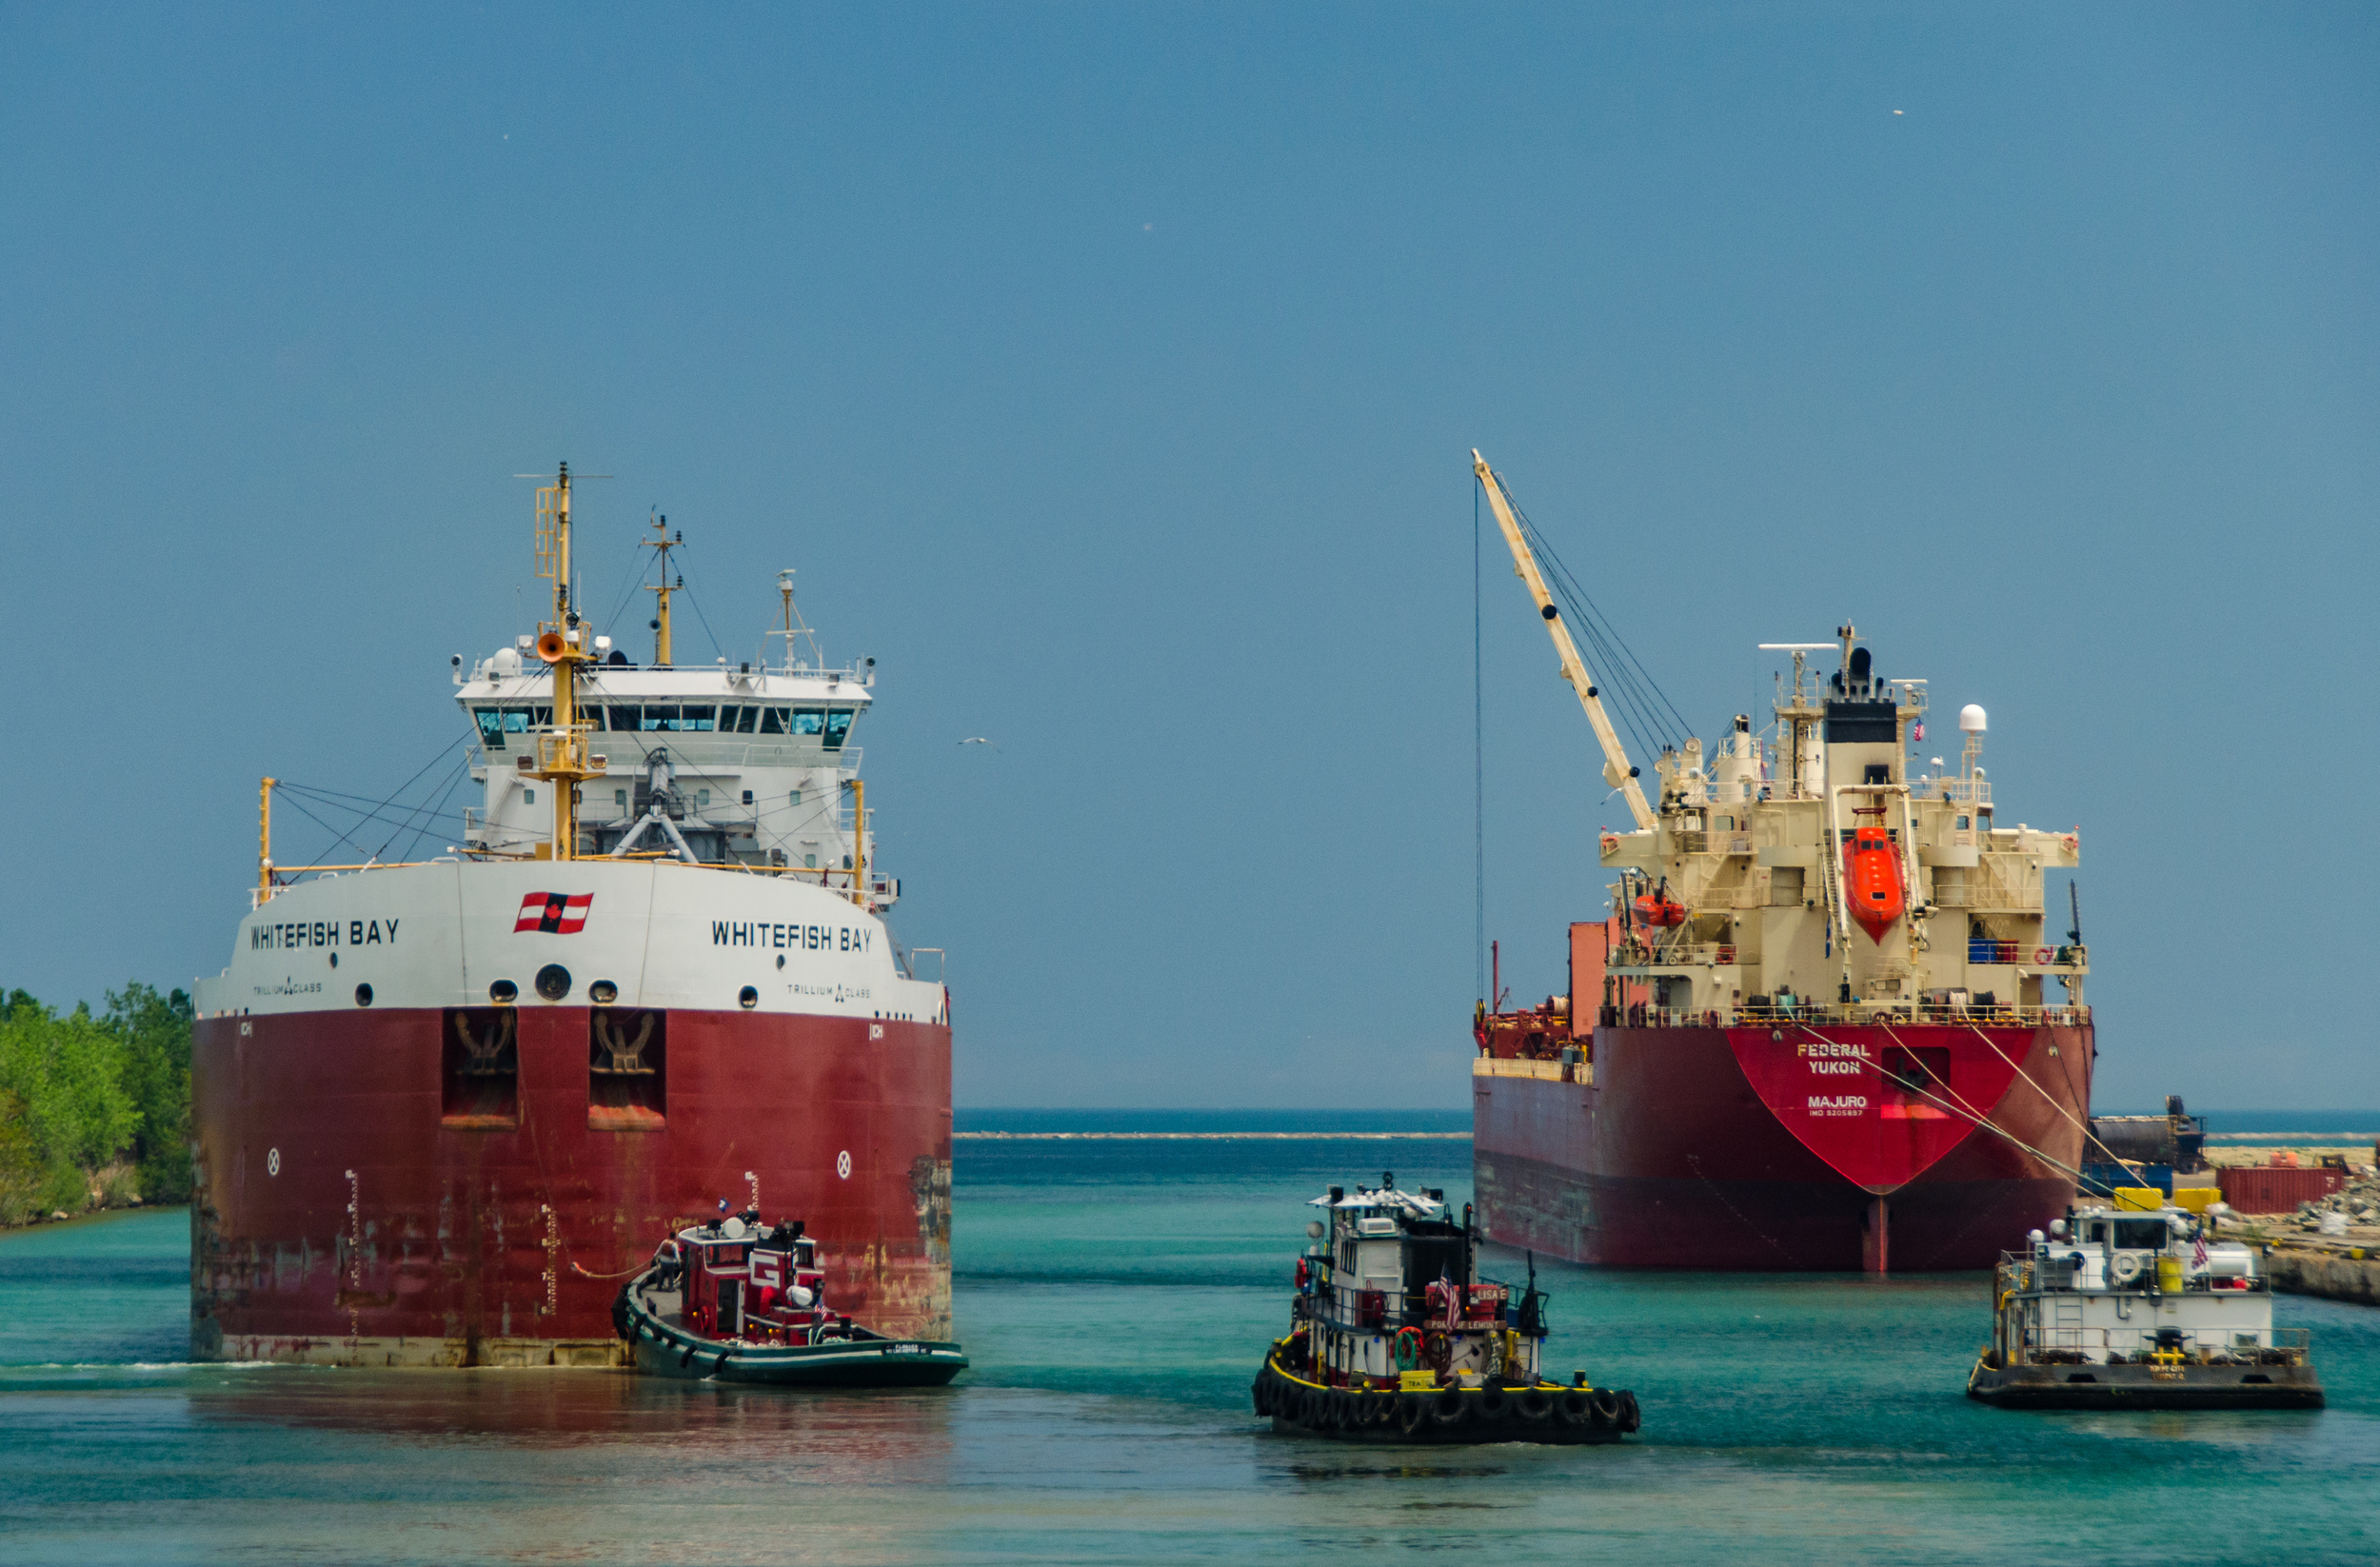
[
  {"x": 1871, "y": 878},
  {"x": 1658, "y": 910}
]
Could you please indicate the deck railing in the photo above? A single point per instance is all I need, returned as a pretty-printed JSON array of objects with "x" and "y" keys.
[{"x": 1891, "y": 1014}]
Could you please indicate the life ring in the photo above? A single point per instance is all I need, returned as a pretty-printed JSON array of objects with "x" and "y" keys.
[
  {"x": 1406, "y": 1348},
  {"x": 1450, "y": 1409},
  {"x": 2126, "y": 1267},
  {"x": 2043, "y": 956},
  {"x": 1535, "y": 1406},
  {"x": 1574, "y": 1408},
  {"x": 1606, "y": 1405}
]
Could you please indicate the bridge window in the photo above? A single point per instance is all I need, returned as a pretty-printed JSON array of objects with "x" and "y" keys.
[
  {"x": 838, "y": 725},
  {"x": 772, "y": 721},
  {"x": 807, "y": 720},
  {"x": 492, "y": 726},
  {"x": 699, "y": 718},
  {"x": 744, "y": 717}
]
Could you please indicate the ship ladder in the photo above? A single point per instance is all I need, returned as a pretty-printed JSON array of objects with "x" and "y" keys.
[{"x": 2066, "y": 1322}]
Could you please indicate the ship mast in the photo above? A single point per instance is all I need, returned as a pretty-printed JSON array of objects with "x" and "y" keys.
[
  {"x": 662, "y": 545},
  {"x": 1616, "y": 773},
  {"x": 562, "y": 757}
]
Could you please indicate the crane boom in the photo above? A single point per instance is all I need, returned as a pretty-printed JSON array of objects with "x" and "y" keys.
[{"x": 1616, "y": 771}]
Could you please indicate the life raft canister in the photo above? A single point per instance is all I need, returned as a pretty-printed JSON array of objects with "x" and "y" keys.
[{"x": 1872, "y": 875}]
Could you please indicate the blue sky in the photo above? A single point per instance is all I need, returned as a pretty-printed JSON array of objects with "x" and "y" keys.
[{"x": 1110, "y": 373}]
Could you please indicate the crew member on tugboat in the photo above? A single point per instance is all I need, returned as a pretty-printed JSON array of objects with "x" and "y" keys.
[{"x": 1394, "y": 1338}]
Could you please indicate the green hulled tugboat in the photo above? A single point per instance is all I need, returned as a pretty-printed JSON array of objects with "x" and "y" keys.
[
  {"x": 734, "y": 1302},
  {"x": 2126, "y": 1307},
  {"x": 1394, "y": 1338}
]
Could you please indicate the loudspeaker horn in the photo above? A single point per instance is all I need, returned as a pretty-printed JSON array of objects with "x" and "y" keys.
[{"x": 550, "y": 647}]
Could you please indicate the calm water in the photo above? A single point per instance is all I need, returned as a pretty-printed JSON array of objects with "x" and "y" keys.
[{"x": 1115, "y": 1297}]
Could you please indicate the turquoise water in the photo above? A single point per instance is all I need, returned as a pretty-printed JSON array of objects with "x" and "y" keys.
[{"x": 1116, "y": 1297}]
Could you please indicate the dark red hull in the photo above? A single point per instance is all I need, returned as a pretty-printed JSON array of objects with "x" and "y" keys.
[
  {"x": 343, "y": 1214},
  {"x": 1671, "y": 1159}
]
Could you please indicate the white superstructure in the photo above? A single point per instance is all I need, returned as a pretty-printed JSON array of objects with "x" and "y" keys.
[{"x": 747, "y": 765}]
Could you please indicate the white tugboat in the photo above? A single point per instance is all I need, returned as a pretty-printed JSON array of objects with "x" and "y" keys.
[
  {"x": 1394, "y": 1338},
  {"x": 2127, "y": 1308}
]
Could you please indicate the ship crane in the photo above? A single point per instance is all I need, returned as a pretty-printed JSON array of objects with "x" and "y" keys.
[{"x": 1616, "y": 771}]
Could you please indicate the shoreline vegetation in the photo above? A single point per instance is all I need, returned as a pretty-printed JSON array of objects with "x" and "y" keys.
[{"x": 94, "y": 1110}]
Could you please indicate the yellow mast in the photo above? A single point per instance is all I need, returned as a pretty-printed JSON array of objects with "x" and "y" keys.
[
  {"x": 562, "y": 642},
  {"x": 662, "y": 545},
  {"x": 1616, "y": 773},
  {"x": 264, "y": 841}
]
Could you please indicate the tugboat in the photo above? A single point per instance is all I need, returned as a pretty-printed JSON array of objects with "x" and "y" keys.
[
  {"x": 2121, "y": 1307},
  {"x": 724, "y": 1301},
  {"x": 1394, "y": 1338}
]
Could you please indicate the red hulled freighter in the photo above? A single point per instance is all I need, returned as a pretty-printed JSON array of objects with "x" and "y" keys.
[
  {"x": 442, "y": 1108},
  {"x": 1815, "y": 1029}
]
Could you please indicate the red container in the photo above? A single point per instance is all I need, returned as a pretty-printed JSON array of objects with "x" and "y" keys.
[{"x": 2265, "y": 1190}]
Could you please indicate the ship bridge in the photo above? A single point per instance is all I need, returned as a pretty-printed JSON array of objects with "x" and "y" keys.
[{"x": 751, "y": 765}]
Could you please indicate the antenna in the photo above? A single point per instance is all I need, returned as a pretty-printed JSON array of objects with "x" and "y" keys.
[
  {"x": 661, "y": 545},
  {"x": 2073, "y": 911},
  {"x": 795, "y": 627}
]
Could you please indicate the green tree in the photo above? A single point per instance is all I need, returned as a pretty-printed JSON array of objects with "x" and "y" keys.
[
  {"x": 64, "y": 1081},
  {"x": 156, "y": 1033}
]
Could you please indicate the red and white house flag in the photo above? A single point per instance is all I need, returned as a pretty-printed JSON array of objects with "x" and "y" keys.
[{"x": 555, "y": 913}]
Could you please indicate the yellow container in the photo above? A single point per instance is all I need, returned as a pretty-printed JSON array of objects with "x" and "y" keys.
[
  {"x": 1416, "y": 1381},
  {"x": 2196, "y": 1199},
  {"x": 2170, "y": 1274},
  {"x": 2147, "y": 1198}
]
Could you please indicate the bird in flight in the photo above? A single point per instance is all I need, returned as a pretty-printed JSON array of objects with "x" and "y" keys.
[{"x": 978, "y": 740}]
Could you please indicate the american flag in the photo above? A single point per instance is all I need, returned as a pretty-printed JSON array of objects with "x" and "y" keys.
[
  {"x": 2198, "y": 1254},
  {"x": 555, "y": 913}
]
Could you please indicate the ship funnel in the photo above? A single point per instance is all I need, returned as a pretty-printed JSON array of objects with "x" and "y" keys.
[{"x": 1971, "y": 718}]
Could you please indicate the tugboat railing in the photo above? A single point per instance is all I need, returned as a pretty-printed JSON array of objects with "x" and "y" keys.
[
  {"x": 2051, "y": 1345},
  {"x": 1523, "y": 1311}
]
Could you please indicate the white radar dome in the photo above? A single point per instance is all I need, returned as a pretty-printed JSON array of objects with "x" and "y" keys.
[
  {"x": 1971, "y": 718},
  {"x": 507, "y": 662},
  {"x": 733, "y": 1229}
]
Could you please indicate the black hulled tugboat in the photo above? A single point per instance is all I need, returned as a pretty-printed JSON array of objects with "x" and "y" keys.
[
  {"x": 1394, "y": 1338},
  {"x": 732, "y": 1302}
]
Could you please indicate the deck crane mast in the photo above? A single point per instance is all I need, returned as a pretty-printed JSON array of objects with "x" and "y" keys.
[{"x": 1616, "y": 771}]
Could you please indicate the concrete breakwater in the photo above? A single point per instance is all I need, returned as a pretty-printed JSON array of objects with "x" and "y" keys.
[{"x": 2332, "y": 1274}]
